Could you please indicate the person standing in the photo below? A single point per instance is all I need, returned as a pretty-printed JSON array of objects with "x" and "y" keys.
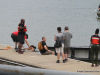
[
  {"x": 95, "y": 42},
  {"x": 59, "y": 38},
  {"x": 67, "y": 38},
  {"x": 21, "y": 33}
]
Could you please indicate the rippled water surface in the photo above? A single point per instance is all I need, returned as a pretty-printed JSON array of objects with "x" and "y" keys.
[{"x": 44, "y": 16}]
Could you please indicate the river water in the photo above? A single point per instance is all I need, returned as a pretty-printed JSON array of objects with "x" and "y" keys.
[{"x": 42, "y": 18}]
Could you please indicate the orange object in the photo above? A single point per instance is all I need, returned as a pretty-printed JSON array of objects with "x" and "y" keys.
[
  {"x": 8, "y": 47},
  {"x": 40, "y": 47},
  {"x": 95, "y": 40}
]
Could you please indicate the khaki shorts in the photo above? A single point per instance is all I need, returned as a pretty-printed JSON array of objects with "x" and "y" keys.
[
  {"x": 60, "y": 50},
  {"x": 66, "y": 50},
  {"x": 46, "y": 53}
]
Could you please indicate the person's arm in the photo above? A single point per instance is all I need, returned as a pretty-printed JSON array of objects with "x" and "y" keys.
[
  {"x": 27, "y": 42},
  {"x": 20, "y": 27},
  {"x": 55, "y": 38},
  {"x": 45, "y": 47}
]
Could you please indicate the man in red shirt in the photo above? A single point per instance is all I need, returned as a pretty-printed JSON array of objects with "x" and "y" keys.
[{"x": 15, "y": 38}]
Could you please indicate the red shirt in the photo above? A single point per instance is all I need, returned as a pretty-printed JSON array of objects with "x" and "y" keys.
[
  {"x": 25, "y": 37},
  {"x": 16, "y": 33}
]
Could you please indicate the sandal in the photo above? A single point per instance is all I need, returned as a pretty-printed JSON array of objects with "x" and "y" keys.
[
  {"x": 21, "y": 52},
  {"x": 92, "y": 65},
  {"x": 96, "y": 65}
]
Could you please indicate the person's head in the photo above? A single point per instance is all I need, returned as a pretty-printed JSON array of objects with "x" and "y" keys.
[
  {"x": 23, "y": 21},
  {"x": 97, "y": 31},
  {"x": 66, "y": 28},
  {"x": 59, "y": 29},
  {"x": 43, "y": 38},
  {"x": 32, "y": 46},
  {"x": 26, "y": 36},
  {"x": 99, "y": 7}
]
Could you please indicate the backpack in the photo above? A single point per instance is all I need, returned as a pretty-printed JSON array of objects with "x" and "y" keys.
[
  {"x": 57, "y": 44},
  {"x": 40, "y": 47}
]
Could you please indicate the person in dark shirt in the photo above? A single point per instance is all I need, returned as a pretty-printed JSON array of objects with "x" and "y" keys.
[
  {"x": 95, "y": 44},
  {"x": 21, "y": 33},
  {"x": 45, "y": 50}
]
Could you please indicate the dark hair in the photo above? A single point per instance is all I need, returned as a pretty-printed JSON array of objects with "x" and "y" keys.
[
  {"x": 59, "y": 29},
  {"x": 33, "y": 46},
  {"x": 26, "y": 35},
  {"x": 99, "y": 6},
  {"x": 22, "y": 22},
  {"x": 97, "y": 31},
  {"x": 66, "y": 28}
]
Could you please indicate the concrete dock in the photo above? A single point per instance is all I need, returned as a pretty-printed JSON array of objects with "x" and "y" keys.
[{"x": 48, "y": 61}]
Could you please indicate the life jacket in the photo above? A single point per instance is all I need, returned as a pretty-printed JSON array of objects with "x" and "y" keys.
[
  {"x": 24, "y": 30},
  {"x": 40, "y": 47},
  {"x": 95, "y": 40}
]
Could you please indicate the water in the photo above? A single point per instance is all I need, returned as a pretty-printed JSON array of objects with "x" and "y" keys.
[{"x": 44, "y": 16}]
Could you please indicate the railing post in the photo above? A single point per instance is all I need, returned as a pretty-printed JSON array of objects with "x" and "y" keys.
[
  {"x": 72, "y": 53},
  {"x": 89, "y": 53}
]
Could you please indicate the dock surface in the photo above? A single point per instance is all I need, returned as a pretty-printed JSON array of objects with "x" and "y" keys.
[{"x": 48, "y": 61}]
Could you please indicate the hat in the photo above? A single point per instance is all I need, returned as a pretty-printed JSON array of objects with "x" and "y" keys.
[
  {"x": 66, "y": 28},
  {"x": 8, "y": 46}
]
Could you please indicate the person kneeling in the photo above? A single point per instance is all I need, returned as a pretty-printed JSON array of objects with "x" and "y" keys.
[{"x": 43, "y": 47}]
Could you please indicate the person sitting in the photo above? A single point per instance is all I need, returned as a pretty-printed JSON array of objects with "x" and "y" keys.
[
  {"x": 32, "y": 48},
  {"x": 45, "y": 50}
]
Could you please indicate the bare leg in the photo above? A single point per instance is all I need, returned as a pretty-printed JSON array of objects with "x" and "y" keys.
[
  {"x": 15, "y": 44},
  {"x": 52, "y": 53},
  {"x": 20, "y": 47},
  {"x": 18, "y": 43},
  {"x": 66, "y": 56},
  {"x": 62, "y": 56},
  {"x": 58, "y": 56}
]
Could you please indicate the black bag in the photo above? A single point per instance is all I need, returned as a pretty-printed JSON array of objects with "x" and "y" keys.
[{"x": 57, "y": 44}]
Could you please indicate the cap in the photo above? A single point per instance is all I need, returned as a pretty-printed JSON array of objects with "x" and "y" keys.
[{"x": 66, "y": 28}]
